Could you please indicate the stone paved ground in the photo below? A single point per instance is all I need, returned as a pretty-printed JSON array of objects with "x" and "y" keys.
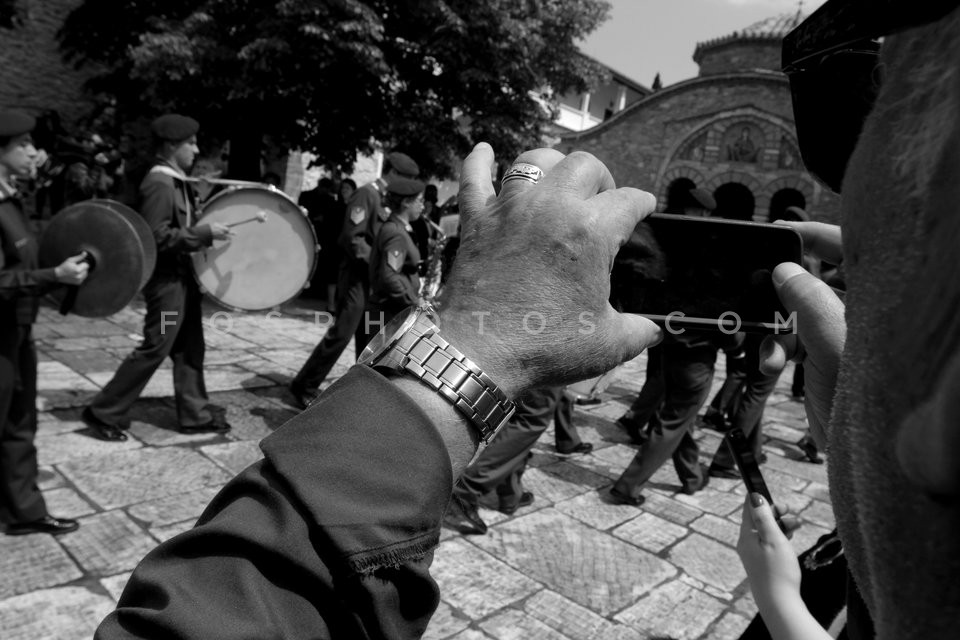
[{"x": 568, "y": 567}]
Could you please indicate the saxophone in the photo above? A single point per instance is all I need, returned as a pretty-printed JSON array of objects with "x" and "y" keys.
[{"x": 433, "y": 267}]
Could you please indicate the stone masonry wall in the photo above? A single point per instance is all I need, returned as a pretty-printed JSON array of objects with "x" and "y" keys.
[
  {"x": 740, "y": 55},
  {"x": 641, "y": 145}
]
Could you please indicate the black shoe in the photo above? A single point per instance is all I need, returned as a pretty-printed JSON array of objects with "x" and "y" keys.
[
  {"x": 704, "y": 480},
  {"x": 582, "y": 448},
  {"x": 46, "y": 524},
  {"x": 713, "y": 420},
  {"x": 302, "y": 398},
  {"x": 102, "y": 430},
  {"x": 526, "y": 499},
  {"x": 587, "y": 401},
  {"x": 462, "y": 516},
  {"x": 636, "y": 434},
  {"x": 722, "y": 472},
  {"x": 216, "y": 424},
  {"x": 618, "y": 498},
  {"x": 810, "y": 450}
]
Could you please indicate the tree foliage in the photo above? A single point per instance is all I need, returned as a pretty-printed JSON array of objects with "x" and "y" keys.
[{"x": 337, "y": 76}]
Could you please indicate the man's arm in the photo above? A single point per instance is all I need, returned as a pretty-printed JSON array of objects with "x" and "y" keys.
[
  {"x": 393, "y": 258},
  {"x": 157, "y": 205},
  {"x": 332, "y": 535}
]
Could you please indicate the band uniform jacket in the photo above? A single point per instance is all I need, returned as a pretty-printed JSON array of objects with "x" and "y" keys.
[
  {"x": 317, "y": 540},
  {"x": 22, "y": 281},
  {"x": 394, "y": 264},
  {"x": 166, "y": 203},
  {"x": 364, "y": 215}
]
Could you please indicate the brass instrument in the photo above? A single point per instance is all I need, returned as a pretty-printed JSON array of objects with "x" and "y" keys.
[{"x": 433, "y": 271}]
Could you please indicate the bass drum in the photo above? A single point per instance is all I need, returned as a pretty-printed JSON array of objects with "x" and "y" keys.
[{"x": 269, "y": 259}]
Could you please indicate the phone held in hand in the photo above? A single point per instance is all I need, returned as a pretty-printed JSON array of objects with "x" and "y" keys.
[
  {"x": 705, "y": 273},
  {"x": 750, "y": 469}
]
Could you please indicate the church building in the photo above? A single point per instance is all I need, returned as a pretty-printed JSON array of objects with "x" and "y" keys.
[{"x": 729, "y": 130}]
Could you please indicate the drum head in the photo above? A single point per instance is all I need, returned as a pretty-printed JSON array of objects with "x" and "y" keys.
[
  {"x": 270, "y": 257},
  {"x": 113, "y": 242}
]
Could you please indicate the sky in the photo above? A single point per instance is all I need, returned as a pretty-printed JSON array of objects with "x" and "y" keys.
[{"x": 643, "y": 37}]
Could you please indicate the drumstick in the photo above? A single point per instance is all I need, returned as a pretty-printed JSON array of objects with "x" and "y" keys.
[{"x": 260, "y": 217}]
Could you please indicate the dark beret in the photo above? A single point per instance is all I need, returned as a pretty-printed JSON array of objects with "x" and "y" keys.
[
  {"x": 402, "y": 163},
  {"x": 703, "y": 198},
  {"x": 174, "y": 127},
  {"x": 14, "y": 123},
  {"x": 405, "y": 187}
]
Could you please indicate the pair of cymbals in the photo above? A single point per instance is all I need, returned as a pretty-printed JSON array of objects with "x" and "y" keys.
[{"x": 121, "y": 249}]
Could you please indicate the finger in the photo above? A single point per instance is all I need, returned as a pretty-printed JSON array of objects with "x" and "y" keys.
[
  {"x": 820, "y": 313},
  {"x": 821, "y": 240},
  {"x": 633, "y": 334},
  {"x": 581, "y": 173},
  {"x": 763, "y": 519},
  {"x": 775, "y": 352},
  {"x": 622, "y": 209},
  {"x": 746, "y": 521},
  {"x": 476, "y": 180},
  {"x": 544, "y": 159}
]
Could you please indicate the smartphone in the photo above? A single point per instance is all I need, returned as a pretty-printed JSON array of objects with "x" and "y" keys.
[
  {"x": 750, "y": 469},
  {"x": 705, "y": 273}
]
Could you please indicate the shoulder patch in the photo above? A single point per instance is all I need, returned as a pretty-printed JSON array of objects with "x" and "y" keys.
[
  {"x": 395, "y": 259},
  {"x": 358, "y": 214}
]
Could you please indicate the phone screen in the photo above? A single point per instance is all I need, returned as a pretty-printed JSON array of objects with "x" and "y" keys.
[
  {"x": 750, "y": 469},
  {"x": 705, "y": 273}
]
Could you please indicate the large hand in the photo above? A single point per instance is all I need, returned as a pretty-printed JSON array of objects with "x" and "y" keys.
[
  {"x": 220, "y": 231},
  {"x": 528, "y": 294},
  {"x": 821, "y": 330}
]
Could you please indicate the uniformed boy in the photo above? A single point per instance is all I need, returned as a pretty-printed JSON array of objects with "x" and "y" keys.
[{"x": 22, "y": 282}]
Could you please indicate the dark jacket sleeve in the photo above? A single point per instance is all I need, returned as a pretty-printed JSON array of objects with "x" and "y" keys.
[
  {"x": 16, "y": 283},
  {"x": 396, "y": 284},
  {"x": 158, "y": 204},
  {"x": 354, "y": 238},
  {"x": 330, "y": 536}
]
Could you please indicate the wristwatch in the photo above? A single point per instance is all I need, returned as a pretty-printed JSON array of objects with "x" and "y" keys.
[{"x": 411, "y": 344}]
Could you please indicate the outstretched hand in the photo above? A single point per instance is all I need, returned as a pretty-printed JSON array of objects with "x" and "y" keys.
[
  {"x": 821, "y": 329},
  {"x": 528, "y": 295}
]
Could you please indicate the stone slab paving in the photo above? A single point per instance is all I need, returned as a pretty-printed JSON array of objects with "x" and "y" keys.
[{"x": 572, "y": 566}]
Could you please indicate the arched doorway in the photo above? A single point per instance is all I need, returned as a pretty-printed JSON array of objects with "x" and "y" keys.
[
  {"x": 734, "y": 201},
  {"x": 678, "y": 194},
  {"x": 785, "y": 198}
]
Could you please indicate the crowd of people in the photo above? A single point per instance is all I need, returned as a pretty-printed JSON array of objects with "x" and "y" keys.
[{"x": 332, "y": 533}]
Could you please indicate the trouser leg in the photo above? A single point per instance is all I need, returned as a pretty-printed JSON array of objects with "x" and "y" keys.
[
  {"x": 166, "y": 314},
  {"x": 688, "y": 373},
  {"x": 507, "y": 453},
  {"x": 565, "y": 434},
  {"x": 20, "y": 497},
  {"x": 757, "y": 390},
  {"x": 350, "y": 307},
  {"x": 650, "y": 397},
  {"x": 187, "y": 354}
]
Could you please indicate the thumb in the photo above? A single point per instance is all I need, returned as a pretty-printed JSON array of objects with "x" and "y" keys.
[
  {"x": 819, "y": 312},
  {"x": 634, "y": 333},
  {"x": 763, "y": 519}
]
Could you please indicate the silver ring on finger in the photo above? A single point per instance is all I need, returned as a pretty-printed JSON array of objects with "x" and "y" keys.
[{"x": 522, "y": 171}]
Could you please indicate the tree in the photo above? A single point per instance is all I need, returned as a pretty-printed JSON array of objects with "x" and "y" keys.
[{"x": 337, "y": 76}]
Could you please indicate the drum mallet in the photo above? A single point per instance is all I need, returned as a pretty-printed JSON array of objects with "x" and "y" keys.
[{"x": 260, "y": 217}]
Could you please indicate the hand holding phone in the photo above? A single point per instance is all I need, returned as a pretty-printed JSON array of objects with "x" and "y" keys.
[{"x": 750, "y": 470}]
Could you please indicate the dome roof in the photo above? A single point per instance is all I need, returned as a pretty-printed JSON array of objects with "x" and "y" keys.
[
  {"x": 774, "y": 26},
  {"x": 771, "y": 29}
]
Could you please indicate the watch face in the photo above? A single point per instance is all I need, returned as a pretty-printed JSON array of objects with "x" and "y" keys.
[{"x": 384, "y": 340}]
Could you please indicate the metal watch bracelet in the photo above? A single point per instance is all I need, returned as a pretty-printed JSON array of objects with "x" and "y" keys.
[{"x": 431, "y": 359}]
